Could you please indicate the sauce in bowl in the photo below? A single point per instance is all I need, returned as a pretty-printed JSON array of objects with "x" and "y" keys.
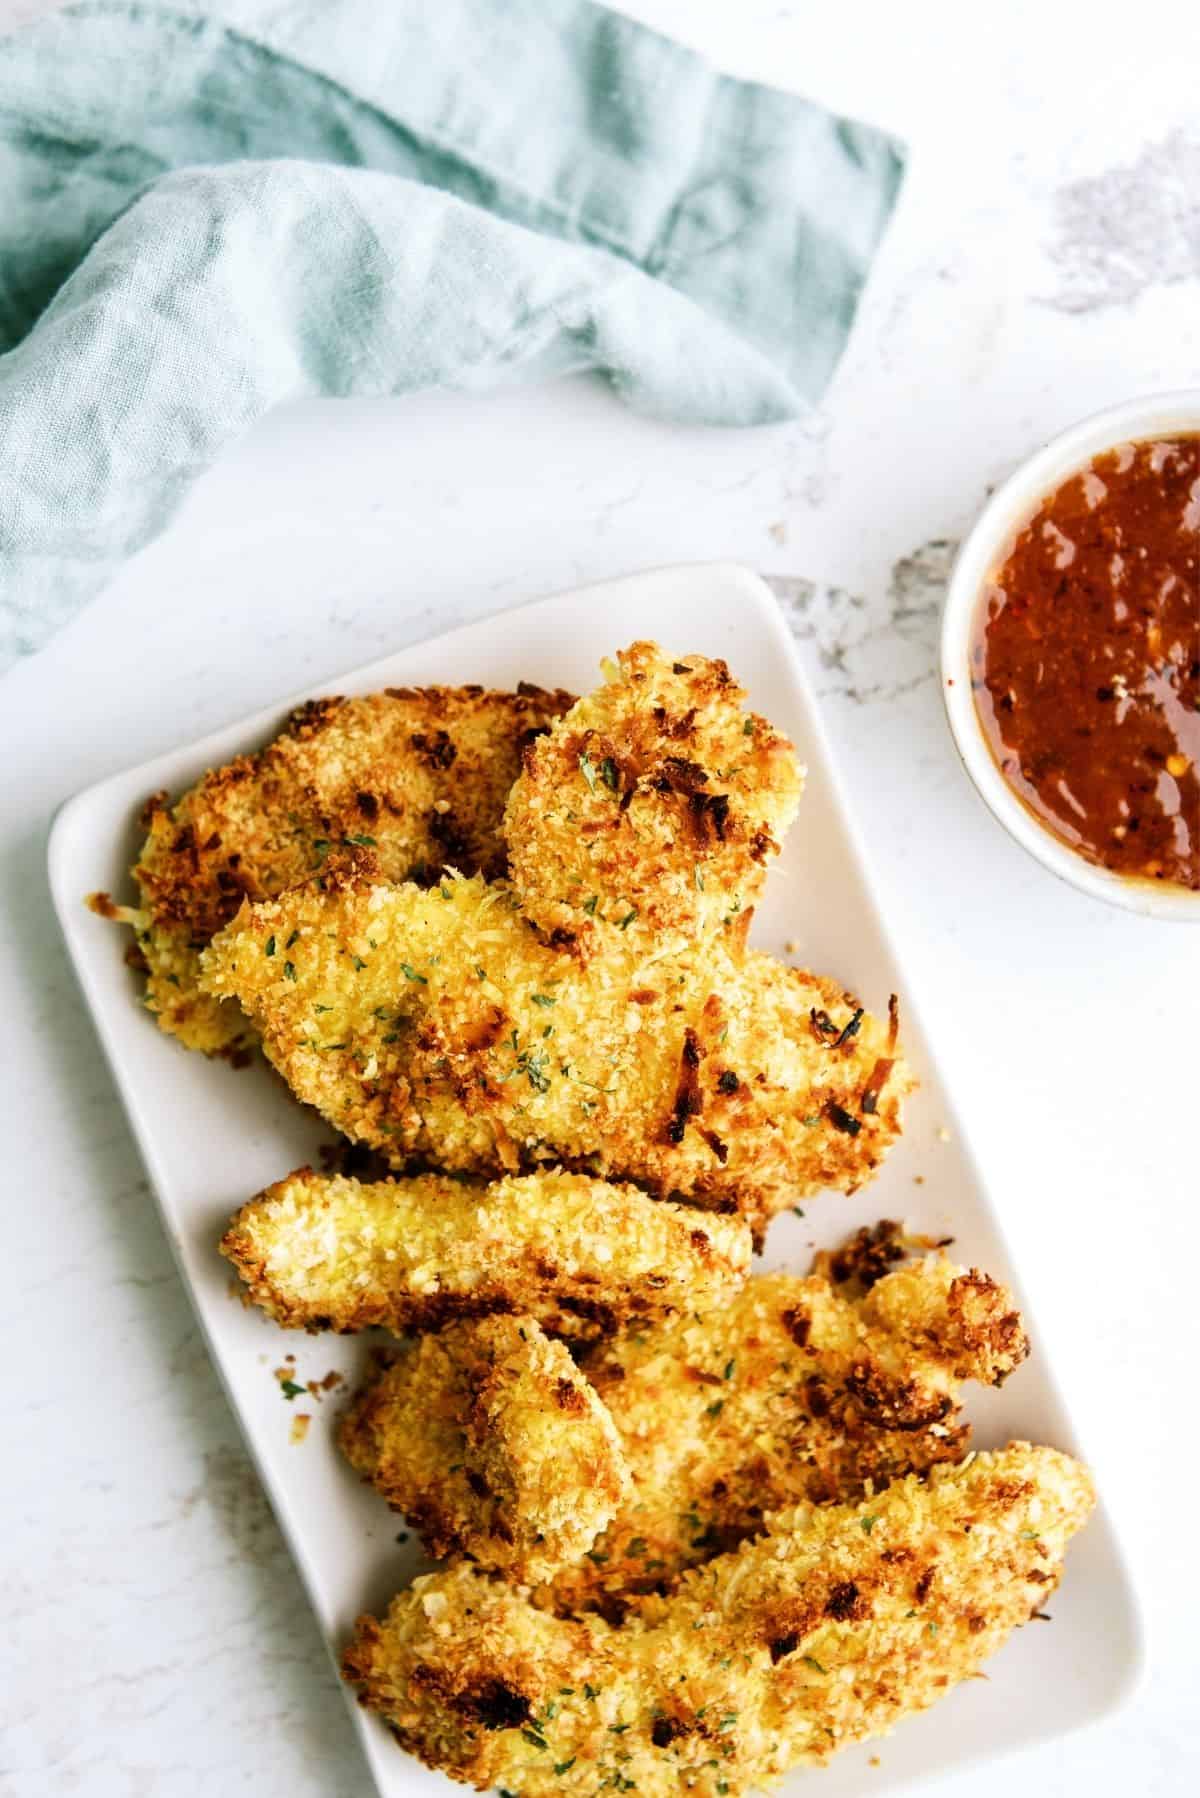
[{"x": 1085, "y": 662}]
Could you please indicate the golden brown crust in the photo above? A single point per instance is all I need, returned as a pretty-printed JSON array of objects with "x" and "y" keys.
[
  {"x": 321, "y": 1251},
  {"x": 960, "y": 1317},
  {"x": 419, "y": 774},
  {"x": 787, "y": 1391},
  {"x": 438, "y": 1026},
  {"x": 825, "y": 1631},
  {"x": 492, "y": 1444},
  {"x": 657, "y": 799}
]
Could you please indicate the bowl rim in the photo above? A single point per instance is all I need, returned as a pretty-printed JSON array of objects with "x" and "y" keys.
[{"x": 1135, "y": 420}]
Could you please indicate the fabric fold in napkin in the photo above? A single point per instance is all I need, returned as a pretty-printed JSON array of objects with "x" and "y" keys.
[{"x": 205, "y": 214}]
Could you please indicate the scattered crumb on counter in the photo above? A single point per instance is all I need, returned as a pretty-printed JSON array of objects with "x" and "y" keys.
[
  {"x": 943, "y": 1134},
  {"x": 791, "y": 947},
  {"x": 778, "y": 530},
  {"x": 300, "y": 1423},
  {"x": 874, "y": 1761},
  {"x": 918, "y": 1179}
]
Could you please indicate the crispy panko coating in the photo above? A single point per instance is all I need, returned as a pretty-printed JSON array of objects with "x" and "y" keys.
[
  {"x": 330, "y": 1252},
  {"x": 823, "y": 1632},
  {"x": 421, "y": 774},
  {"x": 492, "y": 1444},
  {"x": 656, "y": 799},
  {"x": 438, "y": 1026},
  {"x": 786, "y": 1392}
]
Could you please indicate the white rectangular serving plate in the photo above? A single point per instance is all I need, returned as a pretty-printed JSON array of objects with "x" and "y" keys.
[{"x": 211, "y": 1136}]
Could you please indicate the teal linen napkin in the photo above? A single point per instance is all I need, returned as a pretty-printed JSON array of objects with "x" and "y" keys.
[{"x": 203, "y": 215}]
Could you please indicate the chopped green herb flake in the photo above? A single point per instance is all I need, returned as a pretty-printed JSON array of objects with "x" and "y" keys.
[
  {"x": 813, "y": 1662},
  {"x": 589, "y": 905},
  {"x": 748, "y": 728},
  {"x": 627, "y": 920},
  {"x": 729, "y": 1367},
  {"x": 715, "y": 1409},
  {"x": 590, "y": 1691},
  {"x": 728, "y": 1720},
  {"x": 359, "y": 964},
  {"x": 290, "y": 1390},
  {"x": 482, "y": 973},
  {"x": 867, "y": 1524},
  {"x": 561, "y": 1767},
  {"x": 363, "y": 841},
  {"x": 322, "y": 1007},
  {"x": 534, "y": 1738},
  {"x": 931, "y": 1629},
  {"x": 610, "y": 774},
  {"x": 637, "y": 1546},
  {"x": 588, "y": 772},
  {"x": 289, "y": 968},
  {"x": 270, "y": 945},
  {"x": 542, "y": 999},
  {"x": 410, "y": 973},
  {"x": 294, "y": 938}
]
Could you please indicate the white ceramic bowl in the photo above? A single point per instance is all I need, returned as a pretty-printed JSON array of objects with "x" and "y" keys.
[{"x": 1156, "y": 415}]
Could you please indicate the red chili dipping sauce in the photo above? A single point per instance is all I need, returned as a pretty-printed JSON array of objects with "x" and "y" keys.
[{"x": 1086, "y": 661}]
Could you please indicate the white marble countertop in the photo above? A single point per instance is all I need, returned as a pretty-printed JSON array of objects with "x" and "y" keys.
[{"x": 1045, "y": 261}]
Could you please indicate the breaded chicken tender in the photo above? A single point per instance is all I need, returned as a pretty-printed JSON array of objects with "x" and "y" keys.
[
  {"x": 438, "y": 1026},
  {"x": 825, "y": 1631},
  {"x": 420, "y": 774},
  {"x": 785, "y": 1392},
  {"x": 656, "y": 799},
  {"x": 330, "y": 1252},
  {"x": 492, "y": 1444}
]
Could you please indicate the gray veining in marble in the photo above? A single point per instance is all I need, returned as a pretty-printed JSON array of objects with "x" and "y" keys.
[{"x": 1129, "y": 228}]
